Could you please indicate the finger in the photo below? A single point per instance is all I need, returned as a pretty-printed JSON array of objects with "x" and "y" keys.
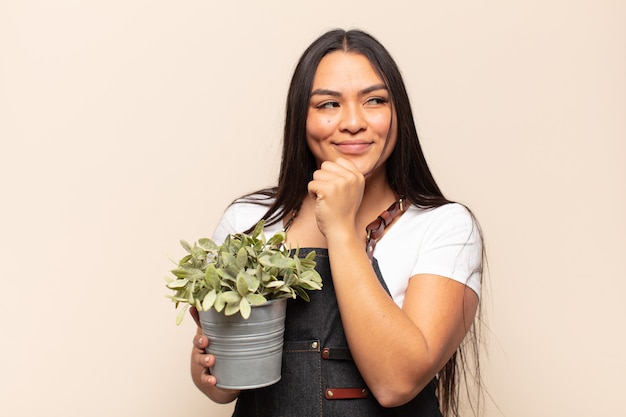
[
  {"x": 340, "y": 167},
  {"x": 328, "y": 173},
  {"x": 205, "y": 361},
  {"x": 209, "y": 379},
  {"x": 200, "y": 341},
  {"x": 201, "y": 358},
  {"x": 350, "y": 171},
  {"x": 324, "y": 186},
  {"x": 312, "y": 190},
  {"x": 319, "y": 189},
  {"x": 347, "y": 164}
]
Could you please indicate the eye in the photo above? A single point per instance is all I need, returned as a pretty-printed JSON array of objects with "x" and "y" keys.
[
  {"x": 377, "y": 101},
  {"x": 327, "y": 105}
]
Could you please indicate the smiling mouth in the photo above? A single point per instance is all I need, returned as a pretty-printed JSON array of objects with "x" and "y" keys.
[{"x": 353, "y": 147}]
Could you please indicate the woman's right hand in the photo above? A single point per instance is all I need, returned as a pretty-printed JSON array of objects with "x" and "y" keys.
[{"x": 200, "y": 363}]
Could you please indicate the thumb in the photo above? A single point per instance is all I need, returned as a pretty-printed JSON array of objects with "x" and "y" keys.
[{"x": 195, "y": 315}]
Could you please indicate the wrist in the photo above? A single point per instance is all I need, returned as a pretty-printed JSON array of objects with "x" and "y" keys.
[
  {"x": 344, "y": 239},
  {"x": 340, "y": 231}
]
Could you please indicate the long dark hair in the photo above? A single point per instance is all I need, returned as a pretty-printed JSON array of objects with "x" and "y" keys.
[{"x": 406, "y": 168}]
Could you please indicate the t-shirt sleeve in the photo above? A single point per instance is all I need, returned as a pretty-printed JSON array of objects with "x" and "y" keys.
[
  {"x": 225, "y": 226},
  {"x": 452, "y": 247},
  {"x": 239, "y": 217}
]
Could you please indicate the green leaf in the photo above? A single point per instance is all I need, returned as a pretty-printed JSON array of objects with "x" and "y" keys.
[
  {"x": 185, "y": 245},
  {"x": 302, "y": 294},
  {"x": 278, "y": 260},
  {"x": 287, "y": 289},
  {"x": 244, "y": 241},
  {"x": 180, "y": 273},
  {"x": 277, "y": 239},
  {"x": 231, "y": 297},
  {"x": 290, "y": 280},
  {"x": 307, "y": 264},
  {"x": 179, "y": 283},
  {"x": 185, "y": 260},
  {"x": 244, "y": 308},
  {"x": 211, "y": 277},
  {"x": 195, "y": 274},
  {"x": 219, "y": 303},
  {"x": 311, "y": 275},
  {"x": 275, "y": 284},
  {"x": 310, "y": 285},
  {"x": 209, "y": 299},
  {"x": 228, "y": 259},
  {"x": 177, "y": 299},
  {"x": 256, "y": 299},
  {"x": 181, "y": 314},
  {"x": 225, "y": 274},
  {"x": 242, "y": 284},
  {"x": 296, "y": 262},
  {"x": 253, "y": 283},
  {"x": 198, "y": 252},
  {"x": 231, "y": 309},
  {"x": 207, "y": 245},
  {"x": 265, "y": 260},
  {"x": 258, "y": 229},
  {"x": 266, "y": 277},
  {"x": 242, "y": 257}
]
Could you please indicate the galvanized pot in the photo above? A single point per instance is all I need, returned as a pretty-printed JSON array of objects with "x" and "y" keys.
[{"x": 248, "y": 352}]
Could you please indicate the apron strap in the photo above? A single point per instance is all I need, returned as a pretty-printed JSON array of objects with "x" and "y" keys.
[{"x": 376, "y": 229}]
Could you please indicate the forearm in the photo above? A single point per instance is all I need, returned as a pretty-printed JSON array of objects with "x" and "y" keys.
[
  {"x": 382, "y": 338},
  {"x": 397, "y": 350}
]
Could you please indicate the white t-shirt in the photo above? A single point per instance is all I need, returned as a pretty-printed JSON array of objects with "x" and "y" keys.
[{"x": 443, "y": 241}]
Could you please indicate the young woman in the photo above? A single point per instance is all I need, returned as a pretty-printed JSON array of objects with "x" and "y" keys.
[{"x": 401, "y": 288}]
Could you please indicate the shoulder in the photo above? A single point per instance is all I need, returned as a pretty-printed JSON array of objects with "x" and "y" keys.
[
  {"x": 242, "y": 214},
  {"x": 249, "y": 208},
  {"x": 448, "y": 224},
  {"x": 449, "y": 216},
  {"x": 444, "y": 241},
  {"x": 447, "y": 210}
]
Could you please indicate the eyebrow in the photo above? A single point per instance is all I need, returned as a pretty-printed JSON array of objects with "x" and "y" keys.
[{"x": 326, "y": 92}]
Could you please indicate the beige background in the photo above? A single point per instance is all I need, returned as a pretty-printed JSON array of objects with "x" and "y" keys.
[{"x": 126, "y": 125}]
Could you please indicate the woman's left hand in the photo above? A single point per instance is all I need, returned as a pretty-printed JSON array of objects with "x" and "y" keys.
[{"x": 337, "y": 188}]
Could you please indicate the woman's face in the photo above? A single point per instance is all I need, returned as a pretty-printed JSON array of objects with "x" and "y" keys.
[{"x": 350, "y": 114}]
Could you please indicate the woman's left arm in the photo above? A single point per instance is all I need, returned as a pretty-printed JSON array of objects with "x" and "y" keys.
[{"x": 398, "y": 351}]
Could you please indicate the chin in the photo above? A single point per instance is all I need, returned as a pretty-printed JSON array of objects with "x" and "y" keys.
[{"x": 369, "y": 170}]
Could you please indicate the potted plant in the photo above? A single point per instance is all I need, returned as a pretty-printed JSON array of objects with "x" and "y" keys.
[{"x": 240, "y": 290}]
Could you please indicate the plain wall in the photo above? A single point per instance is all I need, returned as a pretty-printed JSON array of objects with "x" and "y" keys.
[{"x": 128, "y": 125}]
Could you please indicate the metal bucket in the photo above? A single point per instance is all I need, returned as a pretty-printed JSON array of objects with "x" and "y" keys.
[{"x": 248, "y": 352}]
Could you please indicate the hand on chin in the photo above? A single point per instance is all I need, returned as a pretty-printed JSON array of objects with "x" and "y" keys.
[{"x": 360, "y": 165}]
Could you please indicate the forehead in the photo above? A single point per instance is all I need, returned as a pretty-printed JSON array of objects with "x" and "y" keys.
[{"x": 341, "y": 68}]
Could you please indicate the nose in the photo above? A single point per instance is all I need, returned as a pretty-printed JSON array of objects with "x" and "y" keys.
[{"x": 352, "y": 119}]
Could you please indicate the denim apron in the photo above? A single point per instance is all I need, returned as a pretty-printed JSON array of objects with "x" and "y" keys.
[{"x": 319, "y": 377}]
